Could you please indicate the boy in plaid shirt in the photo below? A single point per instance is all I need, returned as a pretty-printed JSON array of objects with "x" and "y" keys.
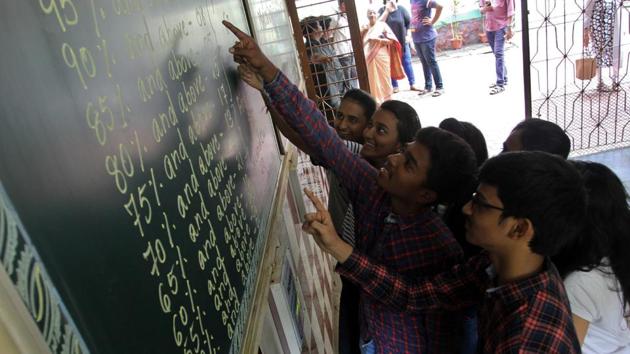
[
  {"x": 393, "y": 217},
  {"x": 527, "y": 207}
]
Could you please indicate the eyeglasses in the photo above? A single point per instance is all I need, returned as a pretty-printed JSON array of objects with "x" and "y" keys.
[{"x": 478, "y": 202}]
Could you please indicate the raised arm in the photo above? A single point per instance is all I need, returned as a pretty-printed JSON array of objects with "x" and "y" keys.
[
  {"x": 248, "y": 75},
  {"x": 457, "y": 288},
  {"x": 438, "y": 12},
  {"x": 302, "y": 115},
  {"x": 385, "y": 11}
]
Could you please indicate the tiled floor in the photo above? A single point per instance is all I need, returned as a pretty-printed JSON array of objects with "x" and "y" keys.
[{"x": 617, "y": 160}]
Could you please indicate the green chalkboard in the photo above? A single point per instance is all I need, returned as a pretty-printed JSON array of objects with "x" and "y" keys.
[{"x": 137, "y": 173}]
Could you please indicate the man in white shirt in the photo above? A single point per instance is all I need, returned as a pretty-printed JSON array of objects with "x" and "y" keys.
[{"x": 343, "y": 46}]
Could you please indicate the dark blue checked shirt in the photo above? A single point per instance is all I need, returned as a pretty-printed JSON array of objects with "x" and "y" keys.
[
  {"x": 531, "y": 315},
  {"x": 411, "y": 245}
]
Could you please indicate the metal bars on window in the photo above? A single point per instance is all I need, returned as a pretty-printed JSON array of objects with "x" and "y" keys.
[
  {"x": 594, "y": 110},
  {"x": 330, "y": 50}
]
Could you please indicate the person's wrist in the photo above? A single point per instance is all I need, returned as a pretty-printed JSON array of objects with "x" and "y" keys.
[
  {"x": 341, "y": 251},
  {"x": 268, "y": 72}
]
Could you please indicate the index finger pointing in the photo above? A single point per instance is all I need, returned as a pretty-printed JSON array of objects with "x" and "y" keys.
[
  {"x": 319, "y": 206},
  {"x": 237, "y": 32}
]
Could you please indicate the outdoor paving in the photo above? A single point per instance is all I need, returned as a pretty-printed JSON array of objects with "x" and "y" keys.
[{"x": 466, "y": 74}]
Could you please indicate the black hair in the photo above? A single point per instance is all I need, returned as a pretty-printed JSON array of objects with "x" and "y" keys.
[
  {"x": 324, "y": 22},
  {"x": 408, "y": 120},
  {"x": 309, "y": 25},
  {"x": 471, "y": 134},
  {"x": 364, "y": 99},
  {"x": 542, "y": 135},
  {"x": 607, "y": 230},
  {"x": 543, "y": 188},
  {"x": 453, "y": 168}
]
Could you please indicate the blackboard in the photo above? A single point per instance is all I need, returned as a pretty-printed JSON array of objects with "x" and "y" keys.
[
  {"x": 137, "y": 173},
  {"x": 272, "y": 29}
]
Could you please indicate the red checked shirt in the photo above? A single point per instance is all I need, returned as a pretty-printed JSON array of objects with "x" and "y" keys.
[
  {"x": 531, "y": 315},
  {"x": 410, "y": 245}
]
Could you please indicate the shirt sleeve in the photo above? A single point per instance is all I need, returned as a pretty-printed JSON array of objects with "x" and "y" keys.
[
  {"x": 357, "y": 175},
  {"x": 580, "y": 291},
  {"x": 510, "y": 8},
  {"x": 406, "y": 18},
  {"x": 458, "y": 288},
  {"x": 354, "y": 147},
  {"x": 508, "y": 5}
]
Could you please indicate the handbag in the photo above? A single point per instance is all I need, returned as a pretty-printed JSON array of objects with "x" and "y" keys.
[{"x": 586, "y": 67}]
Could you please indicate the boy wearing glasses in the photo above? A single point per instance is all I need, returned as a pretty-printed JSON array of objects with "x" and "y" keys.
[{"x": 528, "y": 206}]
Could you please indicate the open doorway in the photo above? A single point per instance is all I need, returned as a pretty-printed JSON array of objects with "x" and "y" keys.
[{"x": 467, "y": 72}]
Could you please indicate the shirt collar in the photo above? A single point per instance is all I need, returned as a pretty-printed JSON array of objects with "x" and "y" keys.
[{"x": 524, "y": 288}]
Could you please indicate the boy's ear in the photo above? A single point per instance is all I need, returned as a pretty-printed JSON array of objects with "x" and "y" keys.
[
  {"x": 522, "y": 230},
  {"x": 425, "y": 196}
]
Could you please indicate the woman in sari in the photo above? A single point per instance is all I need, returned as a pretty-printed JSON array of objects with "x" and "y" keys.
[{"x": 378, "y": 41}]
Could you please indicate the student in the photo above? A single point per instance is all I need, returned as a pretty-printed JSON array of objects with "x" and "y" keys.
[
  {"x": 394, "y": 221},
  {"x": 390, "y": 128},
  {"x": 452, "y": 214},
  {"x": 469, "y": 132},
  {"x": 596, "y": 267},
  {"x": 538, "y": 135},
  {"x": 529, "y": 205},
  {"x": 456, "y": 220}
]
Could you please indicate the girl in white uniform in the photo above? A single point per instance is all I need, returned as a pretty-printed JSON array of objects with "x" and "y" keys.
[{"x": 596, "y": 267}]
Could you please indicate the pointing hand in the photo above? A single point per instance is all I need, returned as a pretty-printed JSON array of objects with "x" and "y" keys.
[{"x": 246, "y": 51}]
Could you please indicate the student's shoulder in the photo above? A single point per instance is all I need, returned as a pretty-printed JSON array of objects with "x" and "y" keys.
[
  {"x": 548, "y": 326},
  {"x": 549, "y": 306},
  {"x": 581, "y": 278}
]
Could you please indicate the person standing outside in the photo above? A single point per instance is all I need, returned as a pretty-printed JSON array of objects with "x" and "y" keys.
[
  {"x": 498, "y": 23},
  {"x": 378, "y": 40},
  {"x": 343, "y": 47},
  {"x": 424, "y": 38},
  {"x": 602, "y": 28},
  {"x": 399, "y": 20},
  {"x": 325, "y": 72}
]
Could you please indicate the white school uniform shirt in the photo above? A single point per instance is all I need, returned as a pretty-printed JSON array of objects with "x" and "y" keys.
[{"x": 596, "y": 297}]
